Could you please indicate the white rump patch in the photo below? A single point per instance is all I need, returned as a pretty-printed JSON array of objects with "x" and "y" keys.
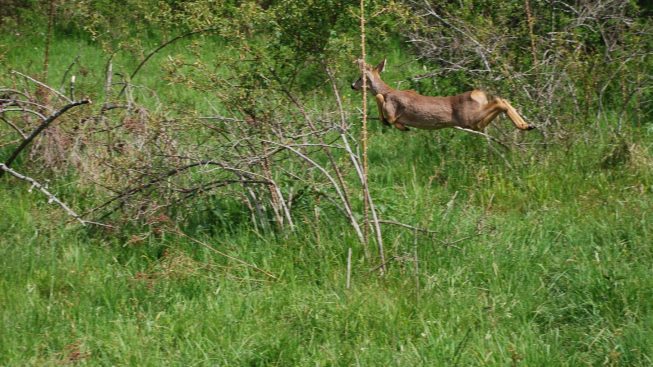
[{"x": 479, "y": 96}]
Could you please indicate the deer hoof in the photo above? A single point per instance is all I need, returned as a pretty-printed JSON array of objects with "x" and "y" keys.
[
  {"x": 400, "y": 126},
  {"x": 530, "y": 127}
]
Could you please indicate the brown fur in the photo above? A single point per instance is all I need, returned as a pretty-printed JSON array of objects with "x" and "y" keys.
[{"x": 473, "y": 110}]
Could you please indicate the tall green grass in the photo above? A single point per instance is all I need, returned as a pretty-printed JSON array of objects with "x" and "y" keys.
[{"x": 542, "y": 257}]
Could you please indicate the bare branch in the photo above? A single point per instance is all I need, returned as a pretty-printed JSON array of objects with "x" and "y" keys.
[
  {"x": 65, "y": 74},
  {"x": 428, "y": 231},
  {"x": 20, "y": 102},
  {"x": 207, "y": 246},
  {"x": 479, "y": 47},
  {"x": 44, "y": 86},
  {"x": 335, "y": 185},
  {"x": 23, "y": 109},
  {"x": 163, "y": 45},
  {"x": 42, "y": 127},
  {"x": 19, "y": 131},
  {"x": 360, "y": 170},
  {"x": 489, "y": 137},
  {"x": 40, "y": 187}
]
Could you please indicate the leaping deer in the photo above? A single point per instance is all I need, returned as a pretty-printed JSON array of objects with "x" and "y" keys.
[{"x": 400, "y": 108}]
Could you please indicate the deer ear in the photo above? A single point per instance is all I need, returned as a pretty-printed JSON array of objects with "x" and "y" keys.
[{"x": 381, "y": 66}]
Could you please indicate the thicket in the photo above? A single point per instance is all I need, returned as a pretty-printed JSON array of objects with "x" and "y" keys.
[
  {"x": 564, "y": 61},
  {"x": 258, "y": 122},
  {"x": 217, "y": 146}
]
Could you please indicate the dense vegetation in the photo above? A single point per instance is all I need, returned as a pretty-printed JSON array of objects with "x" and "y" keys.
[{"x": 220, "y": 197}]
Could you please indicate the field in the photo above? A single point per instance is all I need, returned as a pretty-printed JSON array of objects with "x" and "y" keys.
[{"x": 540, "y": 255}]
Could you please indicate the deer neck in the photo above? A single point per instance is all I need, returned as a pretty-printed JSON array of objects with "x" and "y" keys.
[{"x": 378, "y": 86}]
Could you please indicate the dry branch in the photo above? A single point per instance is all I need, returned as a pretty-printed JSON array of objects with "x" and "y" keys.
[
  {"x": 162, "y": 46},
  {"x": 360, "y": 170},
  {"x": 44, "y": 86},
  {"x": 429, "y": 232},
  {"x": 40, "y": 187},
  {"x": 338, "y": 188},
  {"x": 489, "y": 137},
  {"x": 50, "y": 119},
  {"x": 24, "y": 110},
  {"x": 408, "y": 226},
  {"x": 13, "y": 126},
  {"x": 206, "y": 245},
  {"x": 170, "y": 173}
]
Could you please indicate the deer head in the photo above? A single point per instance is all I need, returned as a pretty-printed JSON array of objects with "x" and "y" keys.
[{"x": 371, "y": 73}]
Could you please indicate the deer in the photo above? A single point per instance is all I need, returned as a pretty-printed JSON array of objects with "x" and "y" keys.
[{"x": 472, "y": 110}]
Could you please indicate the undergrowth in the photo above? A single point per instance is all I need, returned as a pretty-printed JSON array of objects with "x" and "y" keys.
[{"x": 539, "y": 256}]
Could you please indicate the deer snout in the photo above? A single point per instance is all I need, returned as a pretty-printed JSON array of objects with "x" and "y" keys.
[{"x": 353, "y": 86}]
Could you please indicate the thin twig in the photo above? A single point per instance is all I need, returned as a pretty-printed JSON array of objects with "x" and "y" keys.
[
  {"x": 19, "y": 131},
  {"x": 134, "y": 190},
  {"x": 383, "y": 265},
  {"x": 23, "y": 109},
  {"x": 9, "y": 92},
  {"x": 416, "y": 262},
  {"x": 366, "y": 203},
  {"x": 428, "y": 231},
  {"x": 480, "y": 47},
  {"x": 65, "y": 74},
  {"x": 108, "y": 84},
  {"x": 40, "y": 187},
  {"x": 338, "y": 188},
  {"x": 342, "y": 184},
  {"x": 531, "y": 22},
  {"x": 348, "y": 268},
  {"x": 153, "y": 52},
  {"x": 423, "y": 230},
  {"x": 355, "y": 160},
  {"x": 482, "y": 134},
  {"x": 43, "y": 85},
  {"x": 72, "y": 87},
  {"x": 19, "y": 102},
  {"x": 221, "y": 118},
  {"x": 206, "y": 245},
  {"x": 42, "y": 127}
]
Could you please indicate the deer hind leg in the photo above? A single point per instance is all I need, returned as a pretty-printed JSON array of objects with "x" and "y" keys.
[
  {"x": 494, "y": 108},
  {"x": 488, "y": 113},
  {"x": 389, "y": 113},
  {"x": 514, "y": 116}
]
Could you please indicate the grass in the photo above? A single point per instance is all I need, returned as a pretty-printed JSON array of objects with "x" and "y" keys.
[{"x": 548, "y": 264}]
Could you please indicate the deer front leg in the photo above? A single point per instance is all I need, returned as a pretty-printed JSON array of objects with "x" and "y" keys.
[
  {"x": 379, "y": 103},
  {"x": 389, "y": 113}
]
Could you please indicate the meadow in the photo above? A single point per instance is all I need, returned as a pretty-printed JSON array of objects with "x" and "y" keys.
[{"x": 540, "y": 255}]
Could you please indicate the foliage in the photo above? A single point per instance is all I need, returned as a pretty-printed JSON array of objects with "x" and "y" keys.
[
  {"x": 580, "y": 59},
  {"x": 538, "y": 255},
  {"x": 555, "y": 273}
]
